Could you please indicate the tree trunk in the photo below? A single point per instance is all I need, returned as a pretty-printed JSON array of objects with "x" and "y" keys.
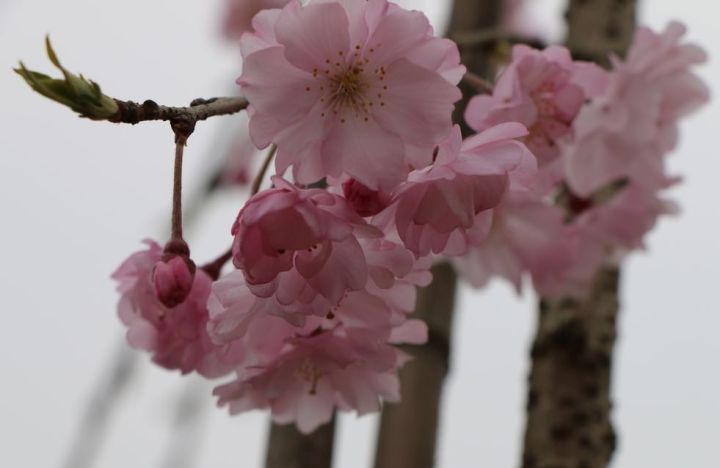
[
  {"x": 288, "y": 448},
  {"x": 408, "y": 430},
  {"x": 569, "y": 401}
]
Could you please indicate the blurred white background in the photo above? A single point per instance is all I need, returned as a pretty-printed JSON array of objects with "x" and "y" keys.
[{"x": 77, "y": 196}]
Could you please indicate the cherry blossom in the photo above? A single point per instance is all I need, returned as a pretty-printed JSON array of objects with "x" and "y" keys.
[
  {"x": 339, "y": 358},
  {"x": 525, "y": 237},
  {"x": 348, "y": 87},
  {"x": 318, "y": 373},
  {"x": 625, "y": 133},
  {"x": 543, "y": 90},
  {"x": 446, "y": 206},
  {"x": 296, "y": 244},
  {"x": 176, "y": 337}
]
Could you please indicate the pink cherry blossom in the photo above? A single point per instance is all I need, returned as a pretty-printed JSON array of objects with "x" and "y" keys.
[
  {"x": 238, "y": 14},
  {"x": 523, "y": 231},
  {"x": 340, "y": 358},
  {"x": 348, "y": 87},
  {"x": 296, "y": 244},
  {"x": 624, "y": 220},
  {"x": 601, "y": 235},
  {"x": 316, "y": 374},
  {"x": 176, "y": 337},
  {"x": 447, "y": 205},
  {"x": 383, "y": 301},
  {"x": 543, "y": 90},
  {"x": 626, "y": 133}
]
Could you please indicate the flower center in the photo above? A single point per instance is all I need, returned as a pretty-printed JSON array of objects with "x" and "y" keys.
[
  {"x": 310, "y": 374},
  {"x": 549, "y": 119},
  {"x": 347, "y": 90},
  {"x": 348, "y": 87}
]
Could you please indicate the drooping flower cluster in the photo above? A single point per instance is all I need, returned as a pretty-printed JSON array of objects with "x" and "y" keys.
[
  {"x": 601, "y": 139},
  {"x": 357, "y": 97}
]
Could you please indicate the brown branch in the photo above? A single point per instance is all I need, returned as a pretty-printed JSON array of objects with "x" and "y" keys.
[
  {"x": 85, "y": 97},
  {"x": 569, "y": 402},
  {"x": 200, "y": 109}
]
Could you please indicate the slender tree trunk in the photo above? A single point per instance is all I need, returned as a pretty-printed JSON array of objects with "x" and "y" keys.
[
  {"x": 569, "y": 402},
  {"x": 408, "y": 430},
  {"x": 288, "y": 448},
  {"x": 407, "y": 437}
]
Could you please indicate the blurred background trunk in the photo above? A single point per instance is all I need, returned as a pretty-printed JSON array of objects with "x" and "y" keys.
[{"x": 408, "y": 432}]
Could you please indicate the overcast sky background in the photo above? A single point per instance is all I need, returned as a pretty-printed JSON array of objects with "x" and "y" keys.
[{"x": 76, "y": 197}]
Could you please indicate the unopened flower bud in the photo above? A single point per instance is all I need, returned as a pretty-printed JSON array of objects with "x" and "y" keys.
[
  {"x": 365, "y": 201},
  {"x": 173, "y": 279}
]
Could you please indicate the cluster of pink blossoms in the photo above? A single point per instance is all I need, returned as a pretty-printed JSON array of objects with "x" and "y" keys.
[
  {"x": 358, "y": 97},
  {"x": 601, "y": 139}
]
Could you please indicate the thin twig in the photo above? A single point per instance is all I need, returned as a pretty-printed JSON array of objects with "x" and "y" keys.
[
  {"x": 492, "y": 37},
  {"x": 99, "y": 408},
  {"x": 479, "y": 83},
  {"x": 263, "y": 170}
]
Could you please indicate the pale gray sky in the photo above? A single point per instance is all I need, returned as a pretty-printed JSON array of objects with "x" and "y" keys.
[{"x": 77, "y": 196}]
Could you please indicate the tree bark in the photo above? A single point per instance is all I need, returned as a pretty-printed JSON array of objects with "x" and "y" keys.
[
  {"x": 569, "y": 401},
  {"x": 288, "y": 448},
  {"x": 408, "y": 430}
]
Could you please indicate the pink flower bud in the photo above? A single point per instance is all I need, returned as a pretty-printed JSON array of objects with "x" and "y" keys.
[
  {"x": 365, "y": 201},
  {"x": 173, "y": 280}
]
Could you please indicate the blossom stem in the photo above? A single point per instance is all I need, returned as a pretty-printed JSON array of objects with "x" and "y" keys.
[
  {"x": 263, "y": 170},
  {"x": 177, "y": 227},
  {"x": 213, "y": 268},
  {"x": 478, "y": 82}
]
